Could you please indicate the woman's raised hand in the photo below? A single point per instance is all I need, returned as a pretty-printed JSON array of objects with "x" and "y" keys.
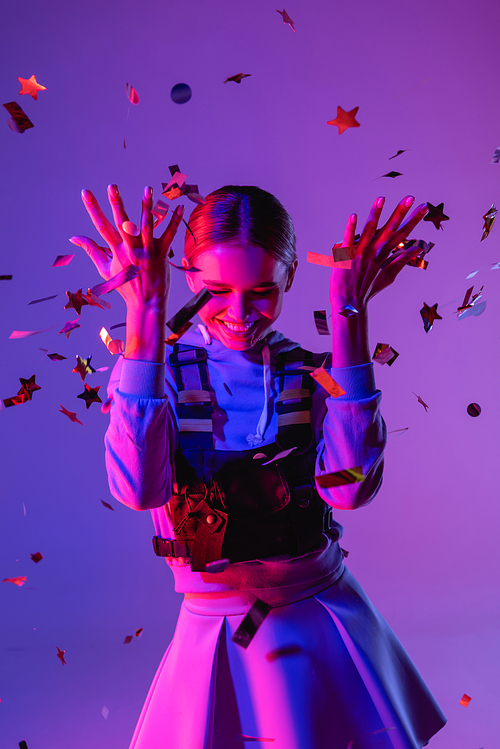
[
  {"x": 369, "y": 274},
  {"x": 152, "y": 285}
]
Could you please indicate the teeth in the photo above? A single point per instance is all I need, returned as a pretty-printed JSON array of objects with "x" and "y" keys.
[{"x": 241, "y": 327}]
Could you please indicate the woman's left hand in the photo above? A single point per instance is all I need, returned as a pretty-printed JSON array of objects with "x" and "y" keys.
[{"x": 357, "y": 285}]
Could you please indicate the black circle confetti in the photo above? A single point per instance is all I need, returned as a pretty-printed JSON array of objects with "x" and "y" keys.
[
  {"x": 473, "y": 409},
  {"x": 181, "y": 93}
]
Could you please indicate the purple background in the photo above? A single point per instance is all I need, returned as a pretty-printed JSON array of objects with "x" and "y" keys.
[{"x": 426, "y": 550}]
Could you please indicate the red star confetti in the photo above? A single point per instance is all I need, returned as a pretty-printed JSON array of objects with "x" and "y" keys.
[
  {"x": 114, "y": 346},
  {"x": 60, "y": 655},
  {"x": 282, "y": 652},
  {"x": 286, "y": 18},
  {"x": 31, "y": 86},
  {"x": 465, "y": 700},
  {"x": 320, "y": 322},
  {"x": 384, "y": 354},
  {"x": 71, "y": 415},
  {"x": 398, "y": 153},
  {"x": 19, "y": 581},
  {"x": 26, "y": 333},
  {"x": 75, "y": 301},
  {"x": 70, "y": 325},
  {"x": 106, "y": 504},
  {"x": 19, "y": 120},
  {"x": 489, "y": 219},
  {"x": 426, "y": 407},
  {"x": 345, "y": 119},
  {"x": 36, "y": 557},
  {"x": 339, "y": 478},
  {"x": 90, "y": 395},
  {"x": 436, "y": 215},
  {"x": 83, "y": 367},
  {"x": 62, "y": 260},
  {"x": 429, "y": 314},
  {"x": 28, "y": 387},
  {"x": 238, "y": 77}
]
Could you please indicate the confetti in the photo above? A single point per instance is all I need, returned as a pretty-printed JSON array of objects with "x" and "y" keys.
[
  {"x": 316, "y": 258},
  {"x": 238, "y": 77},
  {"x": 384, "y": 354},
  {"x": 36, "y": 557},
  {"x": 132, "y": 94},
  {"x": 469, "y": 306},
  {"x": 127, "y": 274},
  {"x": 392, "y": 175},
  {"x": 90, "y": 395},
  {"x": 105, "y": 712},
  {"x": 128, "y": 639},
  {"x": 429, "y": 314},
  {"x": 345, "y": 119},
  {"x": 282, "y": 652},
  {"x": 496, "y": 156},
  {"x": 286, "y": 18},
  {"x": 175, "y": 336},
  {"x": 76, "y": 301},
  {"x": 118, "y": 325},
  {"x": 394, "y": 431},
  {"x": 347, "y": 310},
  {"x": 24, "y": 394},
  {"x": 282, "y": 454},
  {"x": 489, "y": 219},
  {"x": 474, "y": 409},
  {"x": 16, "y": 400},
  {"x": 343, "y": 256},
  {"x": 218, "y": 566},
  {"x": 70, "y": 414},
  {"x": 436, "y": 215},
  {"x": 44, "y": 299},
  {"x": 114, "y": 346},
  {"x": 96, "y": 301},
  {"x": 83, "y": 367},
  {"x": 19, "y": 581},
  {"x": 62, "y": 260},
  {"x": 60, "y": 655},
  {"x": 6, "y": 278},
  {"x": 465, "y": 700},
  {"x": 31, "y": 86},
  {"x": 70, "y": 325},
  {"x": 320, "y": 322},
  {"x": 180, "y": 93},
  {"x": 244, "y": 737},
  {"x": 131, "y": 229},
  {"x": 159, "y": 211},
  {"x": 138, "y": 632},
  {"x": 339, "y": 478},
  {"x": 324, "y": 379},
  {"x": 106, "y": 504},
  {"x": 408, "y": 91},
  {"x": 26, "y": 333},
  {"x": 56, "y": 357},
  {"x": 23, "y": 745},
  {"x": 426, "y": 407},
  {"x": 398, "y": 153},
  {"x": 475, "y": 310},
  {"x": 178, "y": 187},
  {"x": 251, "y": 623},
  {"x": 228, "y": 390},
  {"x": 19, "y": 120},
  {"x": 181, "y": 318}
]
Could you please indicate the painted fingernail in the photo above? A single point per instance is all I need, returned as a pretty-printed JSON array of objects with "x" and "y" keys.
[
  {"x": 380, "y": 202},
  {"x": 352, "y": 218},
  {"x": 113, "y": 190},
  {"x": 409, "y": 201},
  {"x": 424, "y": 208},
  {"x": 87, "y": 196},
  {"x": 148, "y": 193},
  {"x": 73, "y": 240},
  {"x": 179, "y": 211}
]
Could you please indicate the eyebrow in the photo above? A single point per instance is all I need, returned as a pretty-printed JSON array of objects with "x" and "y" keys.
[{"x": 220, "y": 285}]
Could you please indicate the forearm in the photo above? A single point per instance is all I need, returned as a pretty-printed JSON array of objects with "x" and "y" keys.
[
  {"x": 146, "y": 332},
  {"x": 350, "y": 345}
]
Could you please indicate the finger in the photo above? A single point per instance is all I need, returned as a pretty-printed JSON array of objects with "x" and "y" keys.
[
  {"x": 118, "y": 209},
  {"x": 101, "y": 223},
  {"x": 147, "y": 219},
  {"x": 371, "y": 226},
  {"x": 97, "y": 254},
  {"x": 350, "y": 231},
  {"x": 402, "y": 233},
  {"x": 387, "y": 277},
  {"x": 394, "y": 221},
  {"x": 166, "y": 238}
]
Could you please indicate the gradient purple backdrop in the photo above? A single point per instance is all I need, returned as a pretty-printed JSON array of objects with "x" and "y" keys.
[{"x": 425, "y": 79}]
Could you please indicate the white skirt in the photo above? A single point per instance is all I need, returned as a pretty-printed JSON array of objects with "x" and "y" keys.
[{"x": 325, "y": 672}]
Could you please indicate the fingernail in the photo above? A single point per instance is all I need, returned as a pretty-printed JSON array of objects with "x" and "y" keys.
[
  {"x": 179, "y": 210},
  {"x": 148, "y": 193},
  {"x": 424, "y": 208},
  {"x": 380, "y": 202},
  {"x": 409, "y": 201},
  {"x": 73, "y": 240},
  {"x": 113, "y": 190},
  {"x": 87, "y": 196},
  {"x": 352, "y": 218}
]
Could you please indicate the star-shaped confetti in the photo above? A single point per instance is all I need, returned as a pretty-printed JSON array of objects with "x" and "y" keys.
[
  {"x": 426, "y": 407},
  {"x": 76, "y": 301},
  {"x": 28, "y": 386},
  {"x": 60, "y": 655},
  {"x": 31, "y": 86},
  {"x": 489, "y": 219},
  {"x": 71, "y": 415},
  {"x": 19, "y": 581},
  {"x": 70, "y": 325},
  {"x": 286, "y": 18},
  {"x": 90, "y": 395},
  {"x": 36, "y": 557},
  {"x": 83, "y": 367},
  {"x": 429, "y": 314},
  {"x": 238, "y": 77},
  {"x": 436, "y": 215},
  {"x": 345, "y": 119}
]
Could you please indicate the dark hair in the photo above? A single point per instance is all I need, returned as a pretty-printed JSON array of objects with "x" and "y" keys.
[{"x": 241, "y": 214}]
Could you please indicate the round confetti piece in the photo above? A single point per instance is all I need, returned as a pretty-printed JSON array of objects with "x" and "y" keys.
[
  {"x": 131, "y": 229},
  {"x": 181, "y": 93},
  {"x": 473, "y": 409}
]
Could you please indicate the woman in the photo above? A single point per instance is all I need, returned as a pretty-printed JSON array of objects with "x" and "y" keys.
[{"x": 275, "y": 640}]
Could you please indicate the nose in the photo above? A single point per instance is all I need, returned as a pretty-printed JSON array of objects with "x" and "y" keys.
[{"x": 239, "y": 307}]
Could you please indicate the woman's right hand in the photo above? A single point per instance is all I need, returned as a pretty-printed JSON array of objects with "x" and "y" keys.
[{"x": 150, "y": 288}]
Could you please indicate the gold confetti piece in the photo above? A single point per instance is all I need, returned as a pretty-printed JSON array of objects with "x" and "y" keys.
[
  {"x": 384, "y": 354},
  {"x": 327, "y": 382},
  {"x": 316, "y": 258},
  {"x": 465, "y": 700},
  {"x": 114, "y": 346},
  {"x": 340, "y": 478}
]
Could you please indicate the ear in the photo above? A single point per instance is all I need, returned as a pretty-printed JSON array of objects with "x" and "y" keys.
[
  {"x": 189, "y": 278},
  {"x": 291, "y": 275}
]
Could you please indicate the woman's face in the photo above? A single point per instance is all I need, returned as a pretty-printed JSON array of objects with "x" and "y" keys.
[{"x": 247, "y": 286}]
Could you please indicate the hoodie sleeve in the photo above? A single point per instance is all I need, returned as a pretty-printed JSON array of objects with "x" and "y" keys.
[
  {"x": 354, "y": 434},
  {"x": 140, "y": 439}
]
